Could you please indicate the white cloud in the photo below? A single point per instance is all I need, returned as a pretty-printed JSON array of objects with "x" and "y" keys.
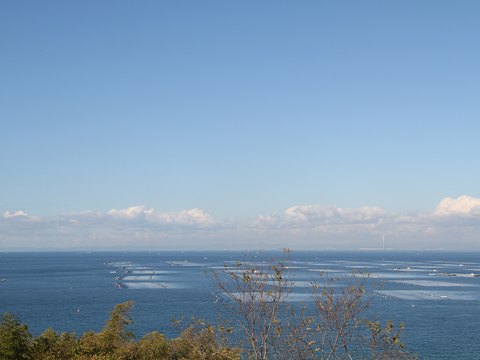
[
  {"x": 463, "y": 205},
  {"x": 308, "y": 216},
  {"x": 139, "y": 216},
  {"x": 454, "y": 223},
  {"x": 132, "y": 213},
  {"x": 187, "y": 218},
  {"x": 18, "y": 213}
]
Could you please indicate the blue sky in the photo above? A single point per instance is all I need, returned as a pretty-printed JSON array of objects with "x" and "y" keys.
[{"x": 241, "y": 110}]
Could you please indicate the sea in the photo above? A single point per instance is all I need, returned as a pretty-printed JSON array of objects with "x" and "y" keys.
[{"x": 435, "y": 293}]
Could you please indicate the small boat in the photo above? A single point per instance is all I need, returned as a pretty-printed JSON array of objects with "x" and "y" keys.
[{"x": 3, "y": 280}]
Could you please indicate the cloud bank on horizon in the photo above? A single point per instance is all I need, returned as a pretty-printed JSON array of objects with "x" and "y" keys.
[{"x": 454, "y": 224}]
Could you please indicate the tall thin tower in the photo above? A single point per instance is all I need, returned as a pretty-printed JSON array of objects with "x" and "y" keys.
[{"x": 383, "y": 241}]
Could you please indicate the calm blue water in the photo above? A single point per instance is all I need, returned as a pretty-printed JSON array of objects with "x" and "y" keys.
[{"x": 48, "y": 289}]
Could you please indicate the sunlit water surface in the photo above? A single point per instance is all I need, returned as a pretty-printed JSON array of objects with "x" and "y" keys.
[{"x": 436, "y": 294}]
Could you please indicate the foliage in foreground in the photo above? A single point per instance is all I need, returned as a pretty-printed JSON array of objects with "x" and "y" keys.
[
  {"x": 199, "y": 341},
  {"x": 269, "y": 327}
]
